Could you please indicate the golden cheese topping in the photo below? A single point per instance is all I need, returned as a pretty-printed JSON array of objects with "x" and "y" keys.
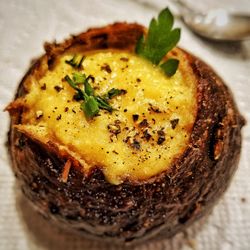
[{"x": 149, "y": 127}]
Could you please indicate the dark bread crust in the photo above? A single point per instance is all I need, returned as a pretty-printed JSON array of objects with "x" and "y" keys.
[{"x": 133, "y": 212}]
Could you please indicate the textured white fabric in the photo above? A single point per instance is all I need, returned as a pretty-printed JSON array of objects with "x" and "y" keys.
[{"x": 24, "y": 27}]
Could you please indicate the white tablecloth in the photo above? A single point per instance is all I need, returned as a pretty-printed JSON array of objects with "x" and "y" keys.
[{"x": 24, "y": 27}]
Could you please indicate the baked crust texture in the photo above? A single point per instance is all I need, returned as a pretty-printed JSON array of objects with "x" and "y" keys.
[{"x": 132, "y": 212}]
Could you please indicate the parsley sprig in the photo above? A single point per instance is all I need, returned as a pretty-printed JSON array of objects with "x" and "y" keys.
[
  {"x": 161, "y": 38},
  {"x": 92, "y": 103}
]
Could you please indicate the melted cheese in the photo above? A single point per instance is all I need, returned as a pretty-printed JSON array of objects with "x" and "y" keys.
[{"x": 123, "y": 146}]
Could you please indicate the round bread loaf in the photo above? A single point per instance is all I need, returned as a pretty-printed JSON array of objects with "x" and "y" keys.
[{"x": 159, "y": 161}]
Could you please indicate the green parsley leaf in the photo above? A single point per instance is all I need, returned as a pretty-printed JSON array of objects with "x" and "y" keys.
[
  {"x": 161, "y": 38},
  {"x": 79, "y": 78},
  {"x": 70, "y": 82},
  {"x": 91, "y": 103},
  {"x": 74, "y": 62},
  {"x": 90, "y": 107},
  {"x": 170, "y": 66},
  {"x": 80, "y": 95},
  {"x": 103, "y": 104},
  {"x": 80, "y": 63},
  {"x": 114, "y": 92},
  {"x": 88, "y": 89}
]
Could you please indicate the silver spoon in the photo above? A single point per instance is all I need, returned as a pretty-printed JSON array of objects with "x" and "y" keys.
[{"x": 217, "y": 24}]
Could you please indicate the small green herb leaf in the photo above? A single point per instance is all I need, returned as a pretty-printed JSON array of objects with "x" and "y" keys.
[
  {"x": 161, "y": 38},
  {"x": 74, "y": 62},
  {"x": 70, "y": 82},
  {"x": 80, "y": 63},
  {"x": 79, "y": 78},
  {"x": 112, "y": 93},
  {"x": 140, "y": 46},
  {"x": 115, "y": 92},
  {"x": 103, "y": 104},
  {"x": 170, "y": 66},
  {"x": 88, "y": 89},
  {"x": 80, "y": 95},
  {"x": 90, "y": 107},
  {"x": 91, "y": 103}
]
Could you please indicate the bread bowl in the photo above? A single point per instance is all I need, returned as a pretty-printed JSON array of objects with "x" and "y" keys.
[{"x": 125, "y": 207}]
